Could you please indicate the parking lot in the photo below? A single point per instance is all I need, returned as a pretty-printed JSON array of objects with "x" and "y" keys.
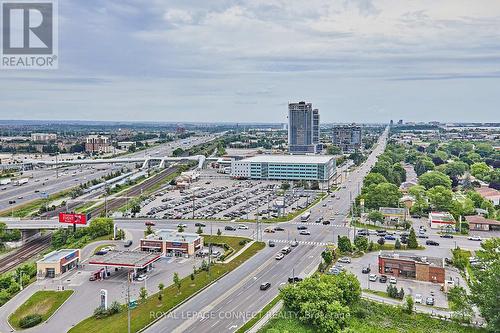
[{"x": 226, "y": 199}]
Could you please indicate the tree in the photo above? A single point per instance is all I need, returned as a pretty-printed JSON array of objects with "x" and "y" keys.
[
  {"x": 381, "y": 241},
  {"x": 327, "y": 256},
  {"x": 423, "y": 165},
  {"x": 382, "y": 195},
  {"x": 333, "y": 150},
  {"x": 177, "y": 282},
  {"x": 484, "y": 288},
  {"x": 397, "y": 244},
  {"x": 180, "y": 228},
  {"x": 440, "y": 197},
  {"x": 219, "y": 232},
  {"x": 149, "y": 230},
  {"x": 344, "y": 244},
  {"x": 143, "y": 294},
  {"x": 285, "y": 186},
  {"x": 361, "y": 243},
  {"x": 434, "y": 178},
  {"x": 375, "y": 216},
  {"x": 453, "y": 169},
  {"x": 199, "y": 231},
  {"x": 460, "y": 304},
  {"x": 374, "y": 178},
  {"x": 161, "y": 286},
  {"x": 481, "y": 171},
  {"x": 412, "y": 240},
  {"x": 409, "y": 304}
]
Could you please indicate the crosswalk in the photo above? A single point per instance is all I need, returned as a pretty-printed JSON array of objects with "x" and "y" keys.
[{"x": 301, "y": 242}]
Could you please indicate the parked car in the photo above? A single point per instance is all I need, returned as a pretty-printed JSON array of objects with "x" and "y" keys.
[
  {"x": 393, "y": 280},
  {"x": 149, "y": 223},
  {"x": 345, "y": 260},
  {"x": 366, "y": 270},
  {"x": 280, "y": 256},
  {"x": 382, "y": 279},
  {"x": 418, "y": 299},
  {"x": 446, "y": 236},
  {"x": 304, "y": 232},
  {"x": 279, "y": 229},
  {"x": 363, "y": 232},
  {"x": 142, "y": 277},
  {"x": 265, "y": 286},
  {"x": 431, "y": 242},
  {"x": 429, "y": 301},
  {"x": 389, "y": 237},
  {"x": 128, "y": 243},
  {"x": 372, "y": 277},
  {"x": 294, "y": 279},
  {"x": 422, "y": 236},
  {"x": 474, "y": 238},
  {"x": 92, "y": 278}
]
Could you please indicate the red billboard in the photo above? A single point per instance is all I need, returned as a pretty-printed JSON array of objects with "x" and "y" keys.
[{"x": 73, "y": 218}]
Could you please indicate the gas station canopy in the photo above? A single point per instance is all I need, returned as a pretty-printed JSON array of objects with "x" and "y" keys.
[{"x": 127, "y": 259}]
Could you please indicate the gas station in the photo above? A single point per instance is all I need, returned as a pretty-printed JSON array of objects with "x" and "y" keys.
[{"x": 136, "y": 261}]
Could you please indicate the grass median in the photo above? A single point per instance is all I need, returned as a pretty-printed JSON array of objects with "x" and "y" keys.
[
  {"x": 43, "y": 303},
  {"x": 141, "y": 316}
]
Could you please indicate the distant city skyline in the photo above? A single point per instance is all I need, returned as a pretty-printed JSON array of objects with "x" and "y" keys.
[{"x": 361, "y": 61}]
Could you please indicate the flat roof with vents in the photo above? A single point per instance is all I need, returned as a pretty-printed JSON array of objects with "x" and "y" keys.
[{"x": 128, "y": 259}]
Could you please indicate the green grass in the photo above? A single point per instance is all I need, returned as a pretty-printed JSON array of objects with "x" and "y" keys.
[
  {"x": 371, "y": 317},
  {"x": 371, "y": 226},
  {"x": 85, "y": 207},
  {"x": 231, "y": 241},
  {"x": 140, "y": 316},
  {"x": 44, "y": 303},
  {"x": 249, "y": 324},
  {"x": 378, "y": 293}
]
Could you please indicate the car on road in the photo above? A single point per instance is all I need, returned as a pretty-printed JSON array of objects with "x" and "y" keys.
[
  {"x": 279, "y": 256},
  {"x": 12, "y": 202},
  {"x": 383, "y": 279},
  {"x": 128, "y": 243},
  {"x": 182, "y": 225},
  {"x": 366, "y": 270},
  {"x": 242, "y": 227},
  {"x": 345, "y": 260},
  {"x": 269, "y": 230},
  {"x": 142, "y": 277},
  {"x": 372, "y": 277},
  {"x": 271, "y": 243},
  {"x": 294, "y": 279},
  {"x": 446, "y": 236},
  {"x": 279, "y": 229},
  {"x": 431, "y": 242},
  {"x": 389, "y": 237},
  {"x": 199, "y": 224},
  {"x": 19, "y": 197},
  {"x": 422, "y": 236},
  {"x": 393, "y": 280},
  {"x": 337, "y": 213},
  {"x": 304, "y": 232},
  {"x": 229, "y": 228},
  {"x": 286, "y": 250},
  {"x": 429, "y": 301},
  {"x": 324, "y": 204},
  {"x": 36, "y": 191},
  {"x": 474, "y": 238},
  {"x": 301, "y": 227},
  {"x": 294, "y": 244},
  {"x": 326, "y": 222},
  {"x": 149, "y": 223},
  {"x": 265, "y": 286},
  {"x": 418, "y": 298},
  {"x": 363, "y": 232},
  {"x": 92, "y": 278}
]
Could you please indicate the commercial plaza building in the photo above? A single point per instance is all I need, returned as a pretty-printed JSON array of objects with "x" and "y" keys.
[
  {"x": 285, "y": 167},
  {"x": 412, "y": 266},
  {"x": 57, "y": 262},
  {"x": 303, "y": 128},
  {"x": 172, "y": 243}
]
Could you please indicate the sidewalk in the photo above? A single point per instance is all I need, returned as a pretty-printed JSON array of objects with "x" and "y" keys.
[{"x": 247, "y": 245}]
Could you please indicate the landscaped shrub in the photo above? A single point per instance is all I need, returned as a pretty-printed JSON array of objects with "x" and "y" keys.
[{"x": 30, "y": 320}]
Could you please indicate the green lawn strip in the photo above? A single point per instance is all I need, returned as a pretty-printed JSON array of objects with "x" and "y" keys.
[
  {"x": 82, "y": 242},
  {"x": 392, "y": 247},
  {"x": 378, "y": 293},
  {"x": 371, "y": 226},
  {"x": 85, "y": 207},
  {"x": 43, "y": 302},
  {"x": 171, "y": 297},
  {"x": 232, "y": 241},
  {"x": 372, "y": 317},
  {"x": 249, "y": 324},
  {"x": 32, "y": 206}
]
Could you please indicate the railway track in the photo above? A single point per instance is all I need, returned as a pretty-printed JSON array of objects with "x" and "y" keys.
[
  {"x": 113, "y": 204},
  {"x": 25, "y": 252}
]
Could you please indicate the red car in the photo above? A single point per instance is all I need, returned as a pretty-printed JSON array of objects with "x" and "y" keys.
[{"x": 149, "y": 223}]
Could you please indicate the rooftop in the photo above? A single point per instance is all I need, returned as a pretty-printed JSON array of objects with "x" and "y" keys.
[
  {"x": 173, "y": 236},
  {"x": 392, "y": 210},
  {"x": 441, "y": 216},
  {"x": 488, "y": 192},
  {"x": 56, "y": 256},
  {"x": 131, "y": 259},
  {"x": 299, "y": 159},
  {"x": 413, "y": 257},
  {"x": 478, "y": 219}
]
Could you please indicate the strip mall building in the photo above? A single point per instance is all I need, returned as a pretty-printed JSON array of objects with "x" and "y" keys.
[{"x": 172, "y": 243}]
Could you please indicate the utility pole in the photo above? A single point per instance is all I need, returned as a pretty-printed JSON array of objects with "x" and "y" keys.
[{"x": 128, "y": 301}]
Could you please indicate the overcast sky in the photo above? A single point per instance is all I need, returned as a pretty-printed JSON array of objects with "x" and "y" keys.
[{"x": 242, "y": 61}]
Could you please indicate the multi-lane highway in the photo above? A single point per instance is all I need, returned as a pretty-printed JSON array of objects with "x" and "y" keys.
[
  {"x": 228, "y": 304},
  {"x": 50, "y": 181}
]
